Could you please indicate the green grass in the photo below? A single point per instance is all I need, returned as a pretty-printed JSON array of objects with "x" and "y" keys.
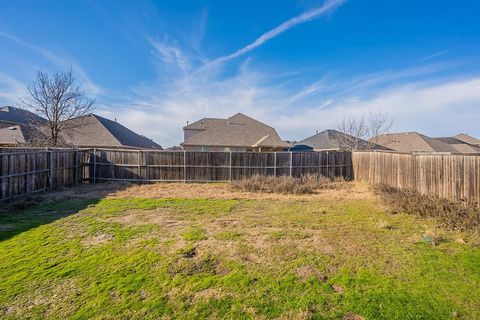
[{"x": 199, "y": 258}]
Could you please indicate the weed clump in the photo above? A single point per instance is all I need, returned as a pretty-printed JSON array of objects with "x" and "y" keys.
[
  {"x": 307, "y": 184},
  {"x": 455, "y": 215}
]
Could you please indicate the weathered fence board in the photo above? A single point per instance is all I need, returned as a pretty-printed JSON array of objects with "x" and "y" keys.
[
  {"x": 30, "y": 171},
  {"x": 199, "y": 166},
  {"x": 453, "y": 176}
]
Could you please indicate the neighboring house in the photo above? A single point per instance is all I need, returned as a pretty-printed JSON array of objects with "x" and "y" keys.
[
  {"x": 237, "y": 133},
  {"x": 19, "y": 116},
  {"x": 467, "y": 139},
  {"x": 18, "y": 126},
  {"x": 413, "y": 142},
  {"x": 459, "y": 145},
  {"x": 93, "y": 131},
  {"x": 11, "y": 134},
  {"x": 333, "y": 140}
]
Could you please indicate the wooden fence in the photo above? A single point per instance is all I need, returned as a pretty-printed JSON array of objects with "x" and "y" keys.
[
  {"x": 200, "y": 166},
  {"x": 455, "y": 177},
  {"x": 31, "y": 171}
]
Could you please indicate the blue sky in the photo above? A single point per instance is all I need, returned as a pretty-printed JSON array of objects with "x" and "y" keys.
[{"x": 297, "y": 65}]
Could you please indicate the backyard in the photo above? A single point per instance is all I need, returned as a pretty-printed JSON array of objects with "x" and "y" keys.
[{"x": 189, "y": 251}]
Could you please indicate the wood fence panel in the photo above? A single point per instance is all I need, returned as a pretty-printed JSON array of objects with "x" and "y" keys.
[{"x": 455, "y": 177}]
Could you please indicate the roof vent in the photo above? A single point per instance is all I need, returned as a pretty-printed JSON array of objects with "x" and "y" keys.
[{"x": 12, "y": 128}]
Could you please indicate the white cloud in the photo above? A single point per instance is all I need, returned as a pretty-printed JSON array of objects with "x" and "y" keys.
[
  {"x": 435, "y": 109},
  {"x": 170, "y": 54},
  {"x": 309, "y": 15},
  {"x": 11, "y": 90}
]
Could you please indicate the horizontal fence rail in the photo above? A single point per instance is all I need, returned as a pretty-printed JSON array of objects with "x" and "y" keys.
[
  {"x": 200, "y": 166},
  {"x": 452, "y": 176}
]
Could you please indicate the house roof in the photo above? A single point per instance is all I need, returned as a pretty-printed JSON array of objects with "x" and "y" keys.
[
  {"x": 205, "y": 123},
  {"x": 11, "y": 134},
  {"x": 467, "y": 139},
  {"x": 460, "y": 146},
  {"x": 20, "y": 116},
  {"x": 334, "y": 140},
  {"x": 413, "y": 142},
  {"x": 237, "y": 131},
  {"x": 95, "y": 131}
]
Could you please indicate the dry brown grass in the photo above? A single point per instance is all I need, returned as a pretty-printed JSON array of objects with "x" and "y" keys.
[
  {"x": 455, "y": 215},
  {"x": 345, "y": 190},
  {"x": 308, "y": 184}
]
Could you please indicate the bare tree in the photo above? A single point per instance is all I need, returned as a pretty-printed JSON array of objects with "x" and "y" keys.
[
  {"x": 59, "y": 100},
  {"x": 378, "y": 123},
  {"x": 354, "y": 131}
]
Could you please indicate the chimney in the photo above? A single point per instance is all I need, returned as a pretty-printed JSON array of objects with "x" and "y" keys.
[
  {"x": 187, "y": 122},
  {"x": 115, "y": 119},
  {"x": 317, "y": 131}
]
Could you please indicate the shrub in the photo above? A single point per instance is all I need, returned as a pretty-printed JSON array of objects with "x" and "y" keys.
[
  {"x": 287, "y": 185},
  {"x": 455, "y": 215}
]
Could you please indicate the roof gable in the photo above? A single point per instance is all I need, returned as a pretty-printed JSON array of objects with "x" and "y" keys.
[
  {"x": 335, "y": 140},
  {"x": 467, "y": 139},
  {"x": 413, "y": 142},
  {"x": 239, "y": 131},
  {"x": 93, "y": 130}
]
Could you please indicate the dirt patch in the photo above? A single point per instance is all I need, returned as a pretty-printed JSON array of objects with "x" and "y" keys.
[
  {"x": 98, "y": 239},
  {"x": 307, "y": 272},
  {"x": 352, "y": 316},
  {"x": 54, "y": 298},
  {"x": 167, "y": 218},
  {"x": 209, "y": 293}
]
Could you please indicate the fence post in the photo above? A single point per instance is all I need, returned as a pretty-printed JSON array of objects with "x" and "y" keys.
[
  {"x": 51, "y": 169},
  {"x": 139, "y": 165},
  {"x": 94, "y": 165},
  {"x": 230, "y": 169},
  {"x": 328, "y": 172},
  {"x": 291, "y": 162},
  {"x": 184, "y": 166},
  {"x": 275, "y": 164}
]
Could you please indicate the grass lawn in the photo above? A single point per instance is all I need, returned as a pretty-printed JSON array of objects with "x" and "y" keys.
[{"x": 201, "y": 251}]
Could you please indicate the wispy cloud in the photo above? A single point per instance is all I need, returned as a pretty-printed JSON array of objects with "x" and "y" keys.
[
  {"x": 170, "y": 54},
  {"x": 309, "y": 15},
  {"x": 59, "y": 61},
  {"x": 434, "y": 55},
  {"x": 11, "y": 90}
]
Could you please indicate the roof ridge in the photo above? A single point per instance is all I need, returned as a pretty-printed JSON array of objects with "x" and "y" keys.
[{"x": 106, "y": 129}]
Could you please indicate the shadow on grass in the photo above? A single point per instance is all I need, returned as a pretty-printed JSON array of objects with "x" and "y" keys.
[
  {"x": 26, "y": 213},
  {"x": 14, "y": 222}
]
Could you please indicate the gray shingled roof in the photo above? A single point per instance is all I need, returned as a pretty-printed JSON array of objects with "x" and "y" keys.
[
  {"x": 467, "y": 139},
  {"x": 95, "y": 131},
  {"x": 334, "y": 140},
  {"x": 459, "y": 146},
  {"x": 20, "y": 116},
  {"x": 236, "y": 131},
  {"x": 413, "y": 142},
  {"x": 205, "y": 123}
]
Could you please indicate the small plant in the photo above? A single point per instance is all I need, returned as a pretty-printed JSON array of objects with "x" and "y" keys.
[{"x": 195, "y": 234}]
